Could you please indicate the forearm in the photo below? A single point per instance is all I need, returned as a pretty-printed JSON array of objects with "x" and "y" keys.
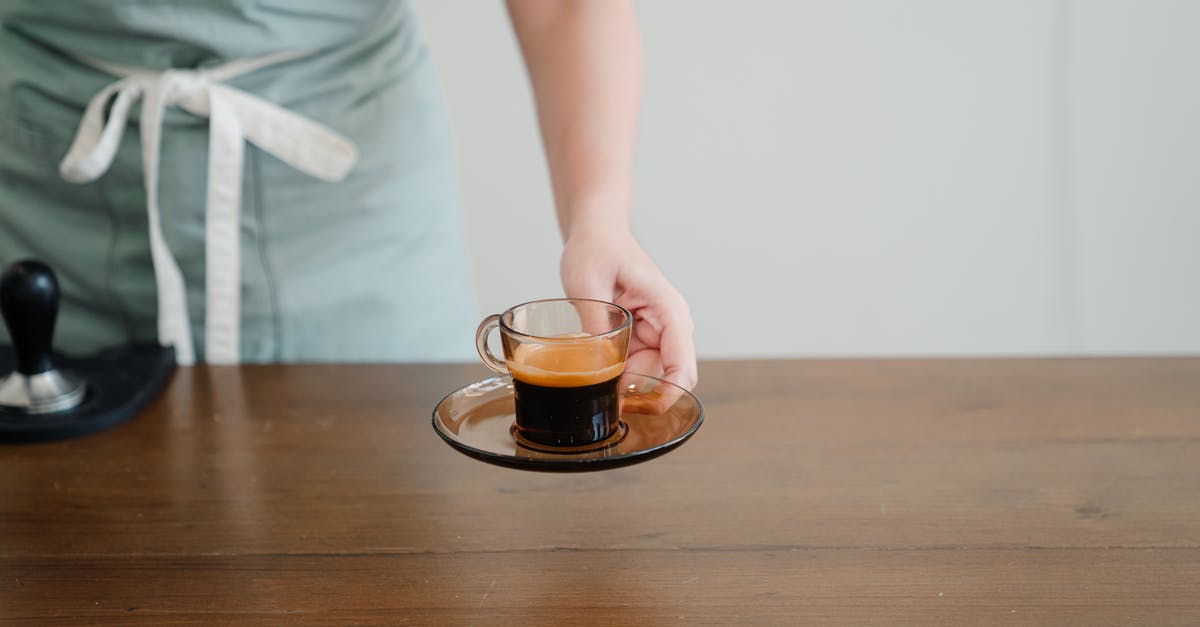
[{"x": 585, "y": 64}]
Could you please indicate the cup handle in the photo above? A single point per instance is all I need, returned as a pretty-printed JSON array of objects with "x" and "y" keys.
[{"x": 481, "y": 344}]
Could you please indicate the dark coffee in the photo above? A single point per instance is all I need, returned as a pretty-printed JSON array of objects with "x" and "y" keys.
[
  {"x": 567, "y": 416},
  {"x": 566, "y": 392}
]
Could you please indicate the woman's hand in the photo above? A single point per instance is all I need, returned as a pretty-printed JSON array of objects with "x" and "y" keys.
[
  {"x": 607, "y": 263},
  {"x": 585, "y": 63}
]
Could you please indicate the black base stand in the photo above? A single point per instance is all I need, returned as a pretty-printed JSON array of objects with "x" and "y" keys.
[{"x": 120, "y": 381}]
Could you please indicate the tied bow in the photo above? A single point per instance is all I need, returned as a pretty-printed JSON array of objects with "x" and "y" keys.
[{"x": 234, "y": 117}]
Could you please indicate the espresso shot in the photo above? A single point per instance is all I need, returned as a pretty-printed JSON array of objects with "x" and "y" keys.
[
  {"x": 566, "y": 416},
  {"x": 567, "y": 393}
]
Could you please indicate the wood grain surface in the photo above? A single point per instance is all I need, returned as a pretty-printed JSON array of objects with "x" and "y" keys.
[{"x": 1001, "y": 491}]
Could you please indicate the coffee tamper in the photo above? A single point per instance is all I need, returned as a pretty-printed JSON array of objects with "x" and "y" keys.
[{"x": 29, "y": 302}]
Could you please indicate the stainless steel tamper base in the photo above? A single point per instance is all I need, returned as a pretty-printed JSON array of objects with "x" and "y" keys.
[{"x": 42, "y": 393}]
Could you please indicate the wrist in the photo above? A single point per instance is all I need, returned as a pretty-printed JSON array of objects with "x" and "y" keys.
[
  {"x": 598, "y": 231},
  {"x": 595, "y": 216},
  {"x": 597, "y": 224}
]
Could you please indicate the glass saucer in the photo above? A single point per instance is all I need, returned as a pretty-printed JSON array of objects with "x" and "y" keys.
[{"x": 658, "y": 416}]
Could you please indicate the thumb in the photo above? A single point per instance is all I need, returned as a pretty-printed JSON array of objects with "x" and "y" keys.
[{"x": 581, "y": 280}]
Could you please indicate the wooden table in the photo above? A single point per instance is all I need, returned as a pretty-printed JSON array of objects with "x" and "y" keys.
[{"x": 909, "y": 491}]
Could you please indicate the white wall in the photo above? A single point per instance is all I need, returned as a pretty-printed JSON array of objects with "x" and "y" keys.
[
  {"x": 1134, "y": 126},
  {"x": 876, "y": 178}
]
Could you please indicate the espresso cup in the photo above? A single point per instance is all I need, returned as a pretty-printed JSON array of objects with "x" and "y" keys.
[{"x": 566, "y": 356}]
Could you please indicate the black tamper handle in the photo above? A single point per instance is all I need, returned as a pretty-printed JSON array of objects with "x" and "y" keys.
[{"x": 29, "y": 302}]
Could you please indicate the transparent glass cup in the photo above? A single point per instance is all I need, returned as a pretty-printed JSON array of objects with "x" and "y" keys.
[{"x": 566, "y": 357}]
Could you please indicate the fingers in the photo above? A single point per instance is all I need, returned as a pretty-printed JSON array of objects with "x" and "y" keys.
[
  {"x": 665, "y": 324},
  {"x": 583, "y": 279},
  {"x": 588, "y": 285},
  {"x": 677, "y": 348},
  {"x": 675, "y": 357},
  {"x": 679, "y": 361},
  {"x": 646, "y": 362}
]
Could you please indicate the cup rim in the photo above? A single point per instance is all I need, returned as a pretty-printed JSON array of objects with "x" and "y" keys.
[{"x": 589, "y": 338}]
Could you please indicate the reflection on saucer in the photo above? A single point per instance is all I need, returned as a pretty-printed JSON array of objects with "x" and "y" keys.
[
  {"x": 612, "y": 440},
  {"x": 658, "y": 416},
  {"x": 649, "y": 396}
]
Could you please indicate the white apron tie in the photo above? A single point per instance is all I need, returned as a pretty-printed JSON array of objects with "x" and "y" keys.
[{"x": 234, "y": 117}]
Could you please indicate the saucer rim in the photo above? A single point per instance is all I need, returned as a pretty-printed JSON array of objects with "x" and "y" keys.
[{"x": 565, "y": 463}]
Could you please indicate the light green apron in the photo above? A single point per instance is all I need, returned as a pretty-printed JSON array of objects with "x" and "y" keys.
[{"x": 370, "y": 268}]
